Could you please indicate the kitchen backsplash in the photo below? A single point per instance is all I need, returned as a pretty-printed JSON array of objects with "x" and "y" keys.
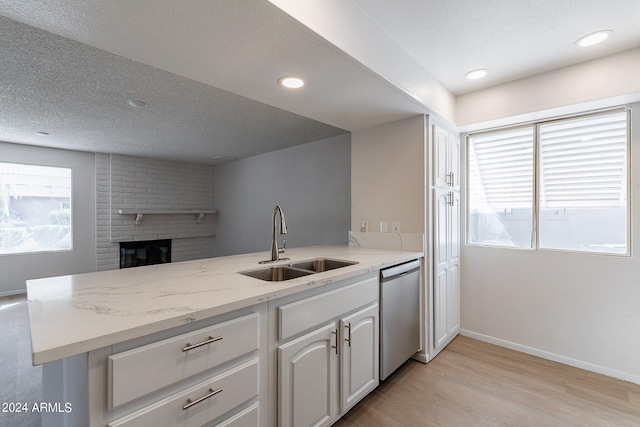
[{"x": 391, "y": 241}]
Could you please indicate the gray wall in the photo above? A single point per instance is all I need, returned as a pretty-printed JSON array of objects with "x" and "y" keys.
[
  {"x": 16, "y": 269},
  {"x": 312, "y": 184}
]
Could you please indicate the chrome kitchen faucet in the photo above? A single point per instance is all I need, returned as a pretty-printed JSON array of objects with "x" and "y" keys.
[{"x": 275, "y": 251}]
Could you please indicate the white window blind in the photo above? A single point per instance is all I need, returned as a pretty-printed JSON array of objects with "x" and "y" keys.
[
  {"x": 583, "y": 162},
  {"x": 560, "y": 185},
  {"x": 501, "y": 169}
]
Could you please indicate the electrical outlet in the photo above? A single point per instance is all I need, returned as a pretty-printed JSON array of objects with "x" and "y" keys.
[
  {"x": 364, "y": 226},
  {"x": 395, "y": 226}
]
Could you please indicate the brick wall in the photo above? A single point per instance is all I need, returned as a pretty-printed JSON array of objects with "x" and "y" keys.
[{"x": 125, "y": 182}]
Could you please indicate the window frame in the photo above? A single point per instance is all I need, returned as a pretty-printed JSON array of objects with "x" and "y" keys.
[
  {"x": 535, "y": 226},
  {"x": 71, "y": 209}
]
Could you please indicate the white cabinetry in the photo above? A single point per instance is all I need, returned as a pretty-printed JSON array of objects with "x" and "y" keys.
[
  {"x": 446, "y": 159},
  {"x": 212, "y": 372},
  {"x": 201, "y": 403},
  {"x": 446, "y": 239},
  {"x": 446, "y": 283},
  {"x": 328, "y": 357},
  {"x": 307, "y": 368},
  {"x": 359, "y": 356},
  {"x": 143, "y": 370}
]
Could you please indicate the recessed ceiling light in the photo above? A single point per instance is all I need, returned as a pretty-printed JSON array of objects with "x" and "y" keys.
[
  {"x": 42, "y": 133},
  {"x": 593, "y": 38},
  {"x": 476, "y": 74},
  {"x": 136, "y": 103},
  {"x": 291, "y": 82},
  {"x": 224, "y": 158}
]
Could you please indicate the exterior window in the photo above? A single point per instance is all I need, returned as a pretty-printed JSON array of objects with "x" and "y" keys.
[
  {"x": 555, "y": 185},
  {"x": 500, "y": 202},
  {"x": 35, "y": 208}
]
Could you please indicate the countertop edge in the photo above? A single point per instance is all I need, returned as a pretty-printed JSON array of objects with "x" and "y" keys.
[{"x": 315, "y": 281}]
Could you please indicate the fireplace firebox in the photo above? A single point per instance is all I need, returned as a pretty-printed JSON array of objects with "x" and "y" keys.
[{"x": 147, "y": 252}]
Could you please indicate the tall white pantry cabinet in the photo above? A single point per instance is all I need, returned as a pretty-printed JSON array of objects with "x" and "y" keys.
[{"x": 446, "y": 211}]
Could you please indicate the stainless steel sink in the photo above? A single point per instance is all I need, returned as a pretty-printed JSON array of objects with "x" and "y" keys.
[
  {"x": 276, "y": 274},
  {"x": 296, "y": 269},
  {"x": 319, "y": 265}
]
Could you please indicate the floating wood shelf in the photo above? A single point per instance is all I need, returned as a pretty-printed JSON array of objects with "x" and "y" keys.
[{"x": 140, "y": 213}]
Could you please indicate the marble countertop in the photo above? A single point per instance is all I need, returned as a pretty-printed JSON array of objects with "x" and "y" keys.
[{"x": 74, "y": 314}]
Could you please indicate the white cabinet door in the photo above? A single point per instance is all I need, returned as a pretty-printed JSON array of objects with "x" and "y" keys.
[
  {"x": 359, "y": 361},
  {"x": 307, "y": 379},
  {"x": 440, "y": 227},
  {"x": 440, "y": 306},
  {"x": 441, "y": 266},
  {"x": 446, "y": 253},
  {"x": 446, "y": 159},
  {"x": 453, "y": 161},
  {"x": 453, "y": 300},
  {"x": 440, "y": 161}
]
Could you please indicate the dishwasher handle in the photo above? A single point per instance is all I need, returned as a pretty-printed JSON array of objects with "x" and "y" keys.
[{"x": 399, "y": 270}]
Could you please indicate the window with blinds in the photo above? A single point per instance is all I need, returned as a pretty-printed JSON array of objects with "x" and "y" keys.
[
  {"x": 500, "y": 202},
  {"x": 583, "y": 162},
  {"x": 574, "y": 198}
]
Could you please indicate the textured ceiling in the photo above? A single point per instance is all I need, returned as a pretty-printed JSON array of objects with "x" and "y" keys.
[
  {"x": 198, "y": 107},
  {"x": 208, "y": 69},
  {"x": 79, "y": 95}
]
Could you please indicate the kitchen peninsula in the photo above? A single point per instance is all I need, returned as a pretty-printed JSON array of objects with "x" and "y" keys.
[{"x": 102, "y": 336}]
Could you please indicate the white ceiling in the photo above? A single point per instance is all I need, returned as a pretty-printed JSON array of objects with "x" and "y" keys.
[
  {"x": 511, "y": 38},
  {"x": 208, "y": 69}
]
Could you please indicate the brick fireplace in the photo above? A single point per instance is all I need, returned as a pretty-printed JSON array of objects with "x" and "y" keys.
[
  {"x": 171, "y": 189},
  {"x": 146, "y": 252}
]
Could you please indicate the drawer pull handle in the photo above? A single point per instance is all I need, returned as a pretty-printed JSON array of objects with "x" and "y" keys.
[
  {"x": 200, "y": 344},
  {"x": 211, "y": 393}
]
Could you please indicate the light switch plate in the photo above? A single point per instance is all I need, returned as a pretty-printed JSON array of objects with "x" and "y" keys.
[{"x": 384, "y": 226}]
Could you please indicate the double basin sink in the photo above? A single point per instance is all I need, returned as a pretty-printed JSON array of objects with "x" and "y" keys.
[{"x": 294, "y": 270}]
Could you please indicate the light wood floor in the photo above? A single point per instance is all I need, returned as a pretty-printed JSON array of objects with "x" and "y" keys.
[
  {"x": 472, "y": 383},
  {"x": 20, "y": 381}
]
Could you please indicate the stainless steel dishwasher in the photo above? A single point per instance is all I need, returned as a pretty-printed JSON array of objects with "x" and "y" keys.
[{"x": 399, "y": 315}]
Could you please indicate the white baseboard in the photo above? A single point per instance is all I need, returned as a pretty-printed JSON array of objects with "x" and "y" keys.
[
  {"x": 421, "y": 357},
  {"x": 553, "y": 357},
  {"x": 11, "y": 293}
]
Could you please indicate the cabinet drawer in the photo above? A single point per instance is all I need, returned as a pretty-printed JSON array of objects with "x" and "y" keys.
[
  {"x": 302, "y": 315},
  {"x": 246, "y": 418},
  {"x": 233, "y": 387},
  {"x": 145, "y": 369}
]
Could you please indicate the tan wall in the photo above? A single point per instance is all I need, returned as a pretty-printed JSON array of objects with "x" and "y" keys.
[{"x": 388, "y": 175}]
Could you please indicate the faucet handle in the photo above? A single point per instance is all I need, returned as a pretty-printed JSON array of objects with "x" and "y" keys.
[{"x": 284, "y": 245}]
